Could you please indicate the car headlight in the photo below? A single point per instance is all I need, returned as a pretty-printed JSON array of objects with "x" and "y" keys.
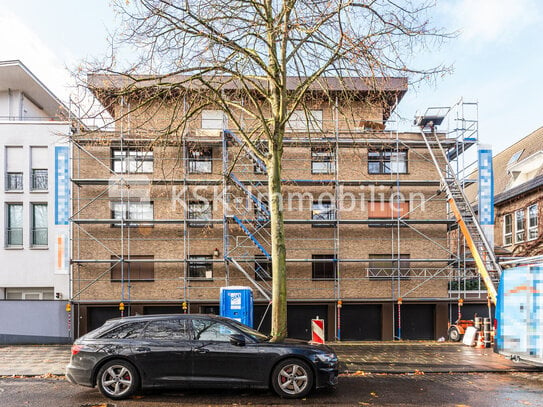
[{"x": 327, "y": 357}]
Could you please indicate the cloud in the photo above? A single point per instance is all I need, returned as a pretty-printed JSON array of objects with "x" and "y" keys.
[
  {"x": 22, "y": 43},
  {"x": 492, "y": 20}
]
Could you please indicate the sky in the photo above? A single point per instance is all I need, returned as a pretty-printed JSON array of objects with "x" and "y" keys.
[{"x": 497, "y": 57}]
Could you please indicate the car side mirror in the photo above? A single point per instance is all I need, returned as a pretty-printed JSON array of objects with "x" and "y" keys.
[{"x": 237, "y": 340}]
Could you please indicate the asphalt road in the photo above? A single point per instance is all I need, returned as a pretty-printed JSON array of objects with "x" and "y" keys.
[{"x": 459, "y": 390}]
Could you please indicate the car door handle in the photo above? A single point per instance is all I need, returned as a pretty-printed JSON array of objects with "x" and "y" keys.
[
  {"x": 143, "y": 349},
  {"x": 200, "y": 350}
]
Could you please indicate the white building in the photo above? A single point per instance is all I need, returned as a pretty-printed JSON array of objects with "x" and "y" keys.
[{"x": 34, "y": 130}]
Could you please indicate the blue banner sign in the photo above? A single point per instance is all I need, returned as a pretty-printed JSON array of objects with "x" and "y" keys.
[
  {"x": 486, "y": 187},
  {"x": 62, "y": 185}
]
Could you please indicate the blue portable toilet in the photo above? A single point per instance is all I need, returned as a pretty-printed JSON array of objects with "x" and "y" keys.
[
  {"x": 237, "y": 303},
  {"x": 520, "y": 313}
]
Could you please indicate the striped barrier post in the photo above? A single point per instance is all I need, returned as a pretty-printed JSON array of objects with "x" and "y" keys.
[{"x": 317, "y": 330}]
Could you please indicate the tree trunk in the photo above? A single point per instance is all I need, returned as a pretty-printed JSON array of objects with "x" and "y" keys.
[{"x": 278, "y": 252}]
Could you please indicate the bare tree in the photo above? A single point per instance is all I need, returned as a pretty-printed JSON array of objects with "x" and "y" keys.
[{"x": 264, "y": 59}]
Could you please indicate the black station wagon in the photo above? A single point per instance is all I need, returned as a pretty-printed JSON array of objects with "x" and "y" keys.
[{"x": 195, "y": 351}]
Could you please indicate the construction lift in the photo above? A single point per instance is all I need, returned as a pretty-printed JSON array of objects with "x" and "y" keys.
[{"x": 481, "y": 251}]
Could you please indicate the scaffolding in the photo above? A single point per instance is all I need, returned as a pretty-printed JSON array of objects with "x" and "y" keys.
[{"x": 195, "y": 250}]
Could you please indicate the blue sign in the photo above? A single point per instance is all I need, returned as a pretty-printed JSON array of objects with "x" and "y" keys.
[
  {"x": 486, "y": 187},
  {"x": 62, "y": 185}
]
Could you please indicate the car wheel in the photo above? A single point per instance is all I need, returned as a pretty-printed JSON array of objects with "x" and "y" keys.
[
  {"x": 454, "y": 335},
  {"x": 118, "y": 379},
  {"x": 292, "y": 378}
]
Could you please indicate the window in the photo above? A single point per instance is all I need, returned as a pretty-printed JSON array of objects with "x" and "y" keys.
[
  {"x": 514, "y": 158},
  {"x": 385, "y": 267},
  {"x": 532, "y": 222},
  {"x": 125, "y": 161},
  {"x": 39, "y": 225},
  {"x": 263, "y": 268},
  {"x": 302, "y": 120},
  {"x": 38, "y": 157},
  {"x": 387, "y": 162},
  {"x": 200, "y": 161},
  {"x": 14, "y": 232},
  {"x": 323, "y": 211},
  {"x": 200, "y": 267},
  {"x": 519, "y": 226},
  {"x": 30, "y": 293},
  {"x": 168, "y": 330},
  {"x": 130, "y": 211},
  {"x": 262, "y": 210},
  {"x": 39, "y": 180},
  {"x": 324, "y": 267},
  {"x": 210, "y": 330},
  {"x": 323, "y": 161},
  {"x": 200, "y": 213},
  {"x": 262, "y": 146},
  {"x": 507, "y": 230},
  {"x": 126, "y": 331},
  {"x": 14, "y": 168},
  {"x": 134, "y": 270},
  {"x": 214, "y": 120},
  {"x": 14, "y": 181}
]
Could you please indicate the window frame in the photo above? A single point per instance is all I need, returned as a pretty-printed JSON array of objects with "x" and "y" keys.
[
  {"x": 315, "y": 265},
  {"x": 33, "y": 228},
  {"x": 128, "y": 221},
  {"x": 507, "y": 235},
  {"x": 328, "y": 219},
  {"x": 325, "y": 157},
  {"x": 380, "y": 157},
  {"x": 195, "y": 160},
  {"x": 34, "y": 177},
  {"x": 532, "y": 227},
  {"x": 9, "y": 227},
  {"x": 21, "y": 179},
  {"x": 206, "y": 122},
  {"x": 196, "y": 222},
  {"x": 520, "y": 238},
  {"x": 309, "y": 121},
  {"x": 200, "y": 260},
  {"x": 139, "y": 156}
]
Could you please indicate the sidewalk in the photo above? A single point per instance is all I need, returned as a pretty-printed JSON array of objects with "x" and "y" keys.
[{"x": 366, "y": 357}]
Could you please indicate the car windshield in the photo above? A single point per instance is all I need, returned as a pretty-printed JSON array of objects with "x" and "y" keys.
[{"x": 253, "y": 333}]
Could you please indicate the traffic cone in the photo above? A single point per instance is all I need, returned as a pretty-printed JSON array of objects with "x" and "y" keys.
[{"x": 480, "y": 341}]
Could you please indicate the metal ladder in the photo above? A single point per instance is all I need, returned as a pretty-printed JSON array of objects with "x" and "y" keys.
[
  {"x": 483, "y": 254},
  {"x": 253, "y": 227}
]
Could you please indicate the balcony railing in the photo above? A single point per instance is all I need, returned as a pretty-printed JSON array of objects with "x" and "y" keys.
[
  {"x": 39, "y": 236},
  {"x": 14, "y": 237}
]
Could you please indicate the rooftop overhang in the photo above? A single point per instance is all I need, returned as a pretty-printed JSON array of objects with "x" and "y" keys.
[
  {"x": 528, "y": 187},
  {"x": 15, "y": 75},
  {"x": 387, "y": 91}
]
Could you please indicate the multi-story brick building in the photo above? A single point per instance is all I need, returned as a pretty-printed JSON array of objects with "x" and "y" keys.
[{"x": 160, "y": 221}]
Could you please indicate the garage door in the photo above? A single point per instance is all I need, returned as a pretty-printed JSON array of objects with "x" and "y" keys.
[
  {"x": 417, "y": 321},
  {"x": 299, "y": 320},
  {"x": 469, "y": 311},
  {"x": 96, "y": 316},
  {"x": 361, "y": 322},
  {"x": 262, "y": 317},
  {"x": 162, "y": 309}
]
